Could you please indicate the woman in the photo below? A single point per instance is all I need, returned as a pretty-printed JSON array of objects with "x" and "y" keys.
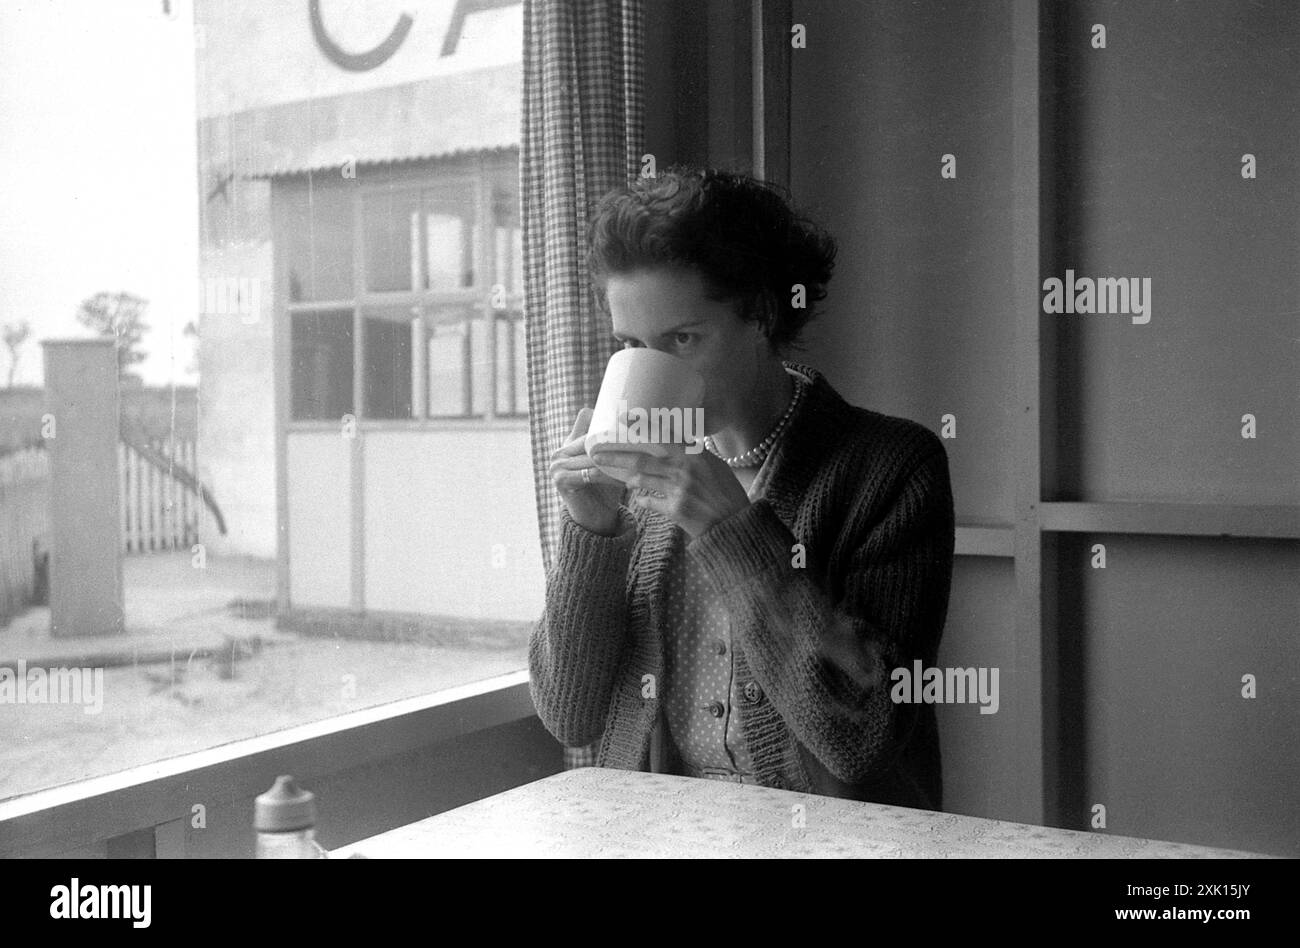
[{"x": 739, "y": 618}]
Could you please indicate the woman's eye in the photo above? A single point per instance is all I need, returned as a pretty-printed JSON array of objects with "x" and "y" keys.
[{"x": 683, "y": 338}]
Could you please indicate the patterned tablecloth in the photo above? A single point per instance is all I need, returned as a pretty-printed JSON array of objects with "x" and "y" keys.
[{"x": 596, "y": 812}]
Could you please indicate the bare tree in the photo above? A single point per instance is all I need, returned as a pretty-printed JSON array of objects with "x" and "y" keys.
[
  {"x": 120, "y": 315},
  {"x": 15, "y": 334}
]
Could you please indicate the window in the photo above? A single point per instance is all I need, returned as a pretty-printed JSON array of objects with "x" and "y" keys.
[
  {"x": 322, "y": 364},
  {"x": 319, "y": 243},
  {"x": 391, "y": 221},
  {"x": 512, "y": 380},
  {"x": 388, "y": 368},
  {"x": 450, "y": 235},
  {"x": 426, "y": 350},
  {"x": 351, "y": 403}
]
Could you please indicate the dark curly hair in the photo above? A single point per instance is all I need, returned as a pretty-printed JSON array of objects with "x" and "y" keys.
[{"x": 740, "y": 234}]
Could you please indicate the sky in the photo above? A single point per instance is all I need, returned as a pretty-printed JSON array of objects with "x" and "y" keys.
[{"x": 99, "y": 185}]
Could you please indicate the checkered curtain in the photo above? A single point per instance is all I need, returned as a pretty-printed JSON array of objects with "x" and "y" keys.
[{"x": 582, "y": 136}]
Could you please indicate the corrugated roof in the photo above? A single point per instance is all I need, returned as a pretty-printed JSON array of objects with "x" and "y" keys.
[{"x": 447, "y": 115}]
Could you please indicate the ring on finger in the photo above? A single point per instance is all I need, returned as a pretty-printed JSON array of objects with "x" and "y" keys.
[{"x": 586, "y": 475}]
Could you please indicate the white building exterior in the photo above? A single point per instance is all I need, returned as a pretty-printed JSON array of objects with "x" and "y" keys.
[{"x": 363, "y": 409}]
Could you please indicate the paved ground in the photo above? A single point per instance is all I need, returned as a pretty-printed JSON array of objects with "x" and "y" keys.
[
  {"x": 171, "y": 609},
  {"x": 193, "y": 673}
]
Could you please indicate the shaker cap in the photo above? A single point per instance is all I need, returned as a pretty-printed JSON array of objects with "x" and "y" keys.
[{"x": 284, "y": 808}]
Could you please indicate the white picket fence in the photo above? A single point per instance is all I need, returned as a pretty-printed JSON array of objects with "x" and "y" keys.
[
  {"x": 24, "y": 525},
  {"x": 158, "y": 513}
]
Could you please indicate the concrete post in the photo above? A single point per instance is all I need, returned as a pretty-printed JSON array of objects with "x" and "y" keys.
[{"x": 81, "y": 400}]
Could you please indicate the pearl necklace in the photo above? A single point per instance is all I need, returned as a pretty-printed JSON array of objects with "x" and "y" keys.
[{"x": 757, "y": 454}]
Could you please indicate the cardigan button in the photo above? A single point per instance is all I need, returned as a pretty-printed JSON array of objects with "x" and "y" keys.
[{"x": 753, "y": 693}]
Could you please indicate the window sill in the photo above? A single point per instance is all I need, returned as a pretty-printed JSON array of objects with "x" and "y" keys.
[{"x": 74, "y": 815}]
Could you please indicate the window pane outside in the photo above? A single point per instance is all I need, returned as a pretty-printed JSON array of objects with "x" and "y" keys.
[
  {"x": 387, "y": 368},
  {"x": 450, "y": 236},
  {"x": 318, "y": 246},
  {"x": 448, "y": 346},
  {"x": 266, "y": 635},
  {"x": 321, "y": 365},
  {"x": 391, "y": 225}
]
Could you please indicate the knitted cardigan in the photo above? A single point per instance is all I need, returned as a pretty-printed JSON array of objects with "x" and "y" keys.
[{"x": 839, "y": 574}]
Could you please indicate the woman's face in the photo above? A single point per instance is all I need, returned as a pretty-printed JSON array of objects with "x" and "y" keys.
[{"x": 667, "y": 309}]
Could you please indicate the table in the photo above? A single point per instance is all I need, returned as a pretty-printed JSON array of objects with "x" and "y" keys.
[{"x": 604, "y": 813}]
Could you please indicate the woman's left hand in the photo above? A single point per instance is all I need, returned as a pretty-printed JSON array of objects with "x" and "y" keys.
[{"x": 698, "y": 490}]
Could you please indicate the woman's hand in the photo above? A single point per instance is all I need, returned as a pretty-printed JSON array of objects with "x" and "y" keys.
[
  {"x": 592, "y": 500},
  {"x": 695, "y": 491}
]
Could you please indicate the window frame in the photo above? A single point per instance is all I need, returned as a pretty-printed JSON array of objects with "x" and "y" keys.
[
  {"x": 82, "y": 815},
  {"x": 73, "y": 817},
  {"x": 482, "y": 171}
]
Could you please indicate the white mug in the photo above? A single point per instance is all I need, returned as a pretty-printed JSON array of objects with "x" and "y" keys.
[{"x": 640, "y": 395}]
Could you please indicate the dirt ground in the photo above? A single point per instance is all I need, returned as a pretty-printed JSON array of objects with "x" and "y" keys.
[
  {"x": 152, "y": 712},
  {"x": 158, "y": 710}
]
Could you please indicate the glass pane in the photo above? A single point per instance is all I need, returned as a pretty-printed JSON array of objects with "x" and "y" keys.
[
  {"x": 502, "y": 247},
  {"x": 225, "y": 242},
  {"x": 521, "y": 369},
  {"x": 507, "y": 243},
  {"x": 392, "y": 221},
  {"x": 517, "y": 261},
  {"x": 387, "y": 370},
  {"x": 448, "y": 342},
  {"x": 481, "y": 366},
  {"x": 505, "y": 374},
  {"x": 449, "y": 237},
  {"x": 320, "y": 383},
  {"x": 318, "y": 241}
]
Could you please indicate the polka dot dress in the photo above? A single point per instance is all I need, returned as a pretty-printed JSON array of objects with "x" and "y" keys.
[{"x": 702, "y": 698}]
